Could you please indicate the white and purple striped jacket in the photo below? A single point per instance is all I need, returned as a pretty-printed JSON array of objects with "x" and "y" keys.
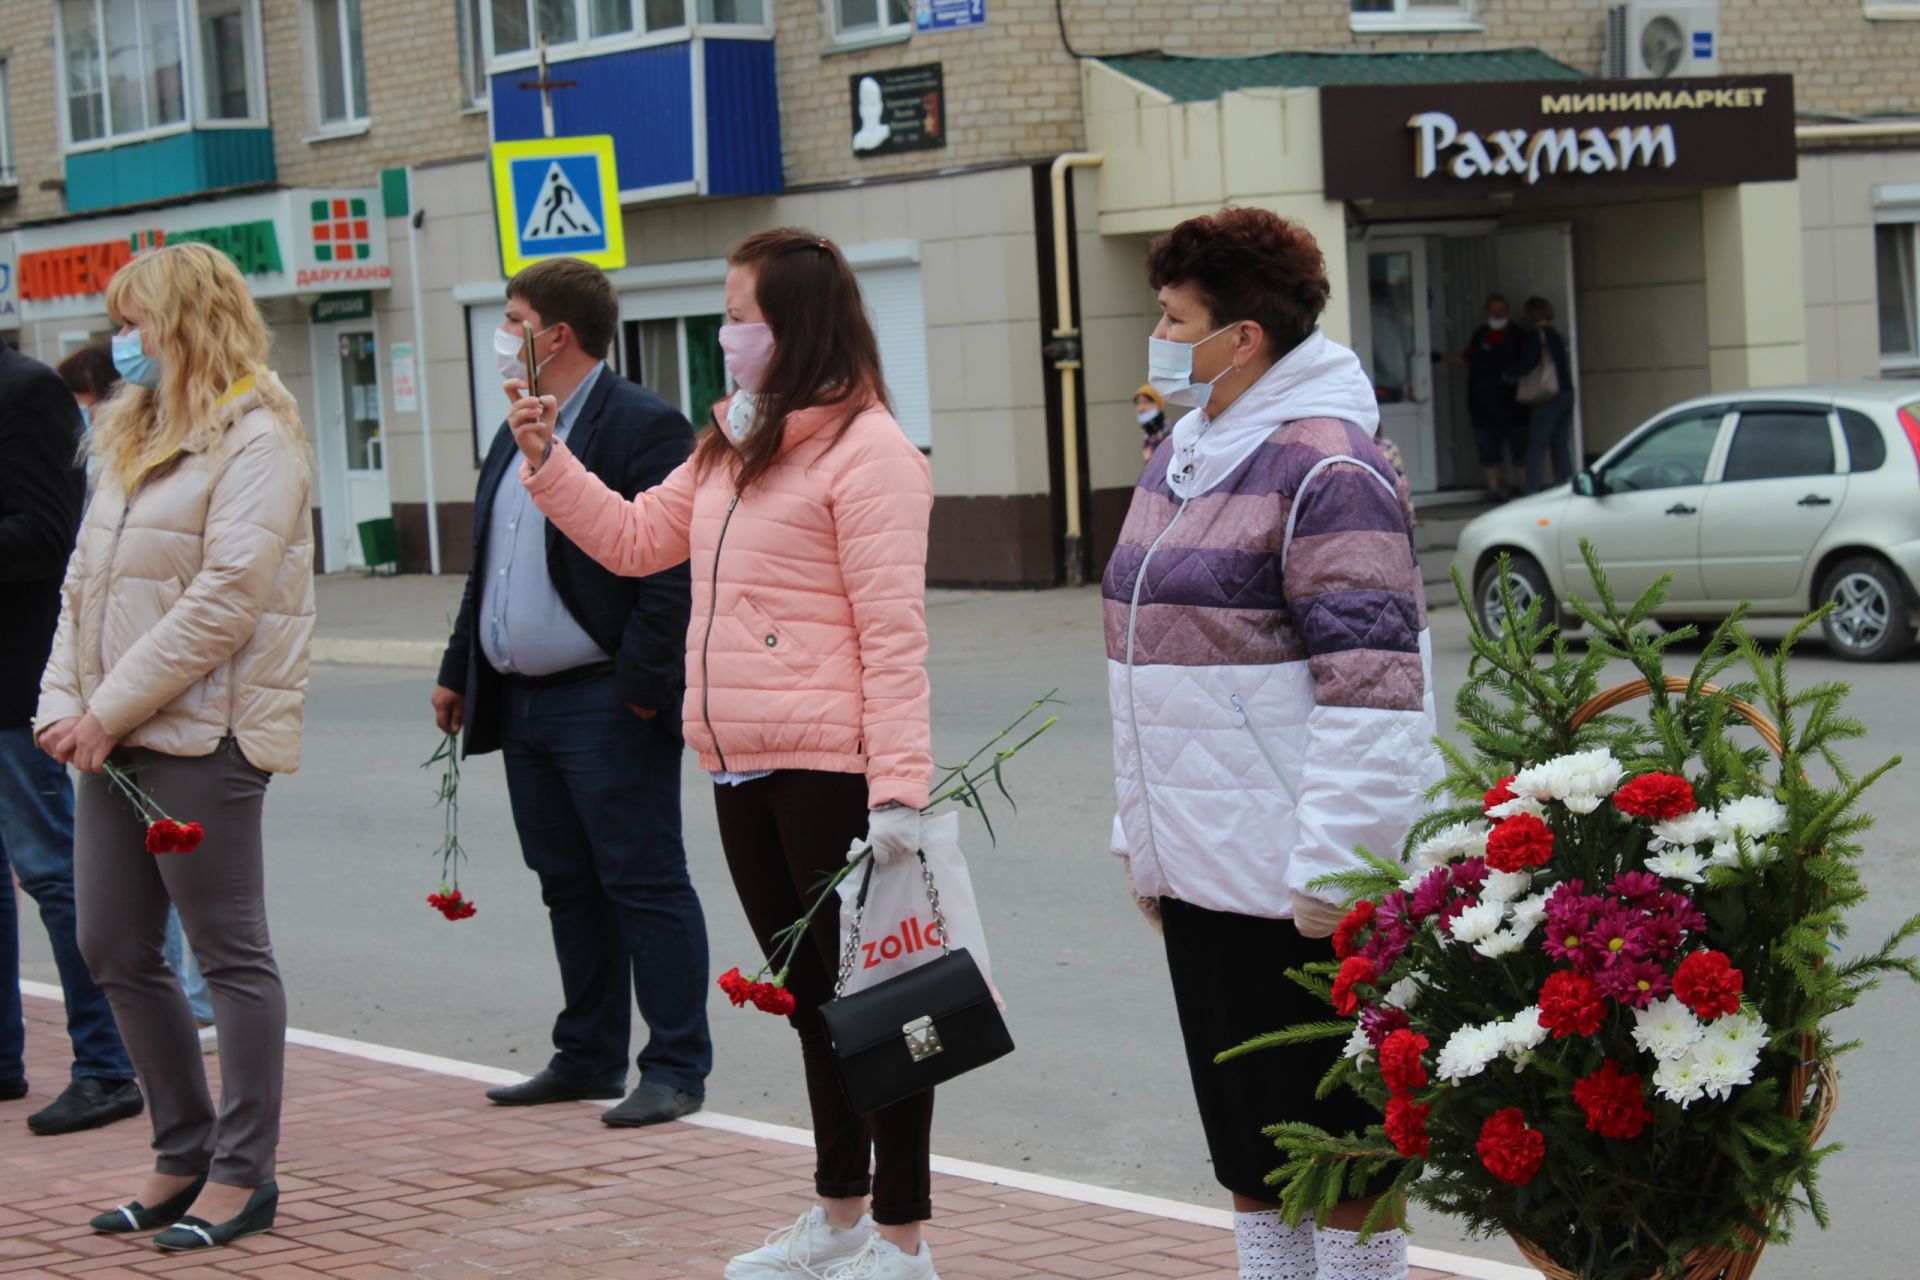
[{"x": 1270, "y": 671}]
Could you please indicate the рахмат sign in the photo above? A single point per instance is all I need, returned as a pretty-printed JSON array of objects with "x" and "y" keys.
[{"x": 1414, "y": 141}]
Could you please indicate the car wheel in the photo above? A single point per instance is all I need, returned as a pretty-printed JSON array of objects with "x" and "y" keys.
[
  {"x": 1870, "y": 618},
  {"x": 1528, "y": 583}
]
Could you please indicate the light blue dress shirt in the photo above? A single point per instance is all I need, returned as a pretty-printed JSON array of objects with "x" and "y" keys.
[{"x": 525, "y": 629}]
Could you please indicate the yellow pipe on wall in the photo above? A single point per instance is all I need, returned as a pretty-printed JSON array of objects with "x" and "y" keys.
[{"x": 1068, "y": 365}]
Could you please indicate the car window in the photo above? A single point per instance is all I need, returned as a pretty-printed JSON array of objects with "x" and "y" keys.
[
  {"x": 1866, "y": 447},
  {"x": 1671, "y": 454},
  {"x": 1771, "y": 443}
]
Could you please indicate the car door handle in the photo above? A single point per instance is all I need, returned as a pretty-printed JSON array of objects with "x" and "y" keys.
[
  {"x": 1815, "y": 500},
  {"x": 1680, "y": 509}
]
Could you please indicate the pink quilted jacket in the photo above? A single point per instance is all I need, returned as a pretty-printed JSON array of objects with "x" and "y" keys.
[{"x": 808, "y": 644}]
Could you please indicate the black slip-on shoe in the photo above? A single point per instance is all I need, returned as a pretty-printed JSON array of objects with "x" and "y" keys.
[
  {"x": 12, "y": 1090},
  {"x": 137, "y": 1217},
  {"x": 196, "y": 1233},
  {"x": 88, "y": 1103},
  {"x": 550, "y": 1086},
  {"x": 652, "y": 1104}
]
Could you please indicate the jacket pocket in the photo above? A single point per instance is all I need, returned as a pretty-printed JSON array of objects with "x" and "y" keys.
[
  {"x": 771, "y": 636},
  {"x": 1244, "y": 720}
]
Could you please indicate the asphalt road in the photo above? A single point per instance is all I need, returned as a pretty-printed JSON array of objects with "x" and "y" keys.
[{"x": 1098, "y": 1090}]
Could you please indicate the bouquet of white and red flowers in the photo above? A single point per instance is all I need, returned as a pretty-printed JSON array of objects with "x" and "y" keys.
[{"x": 1593, "y": 1009}]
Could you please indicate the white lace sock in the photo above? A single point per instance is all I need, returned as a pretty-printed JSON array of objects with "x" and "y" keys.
[
  {"x": 1343, "y": 1257},
  {"x": 1270, "y": 1249}
]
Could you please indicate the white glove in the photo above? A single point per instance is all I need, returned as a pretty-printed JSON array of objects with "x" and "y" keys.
[
  {"x": 1314, "y": 918},
  {"x": 893, "y": 834}
]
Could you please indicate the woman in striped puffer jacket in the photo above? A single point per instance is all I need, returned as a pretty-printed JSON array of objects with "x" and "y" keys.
[{"x": 1270, "y": 674}]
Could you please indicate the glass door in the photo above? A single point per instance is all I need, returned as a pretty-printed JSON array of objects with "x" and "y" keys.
[
  {"x": 353, "y": 447},
  {"x": 1394, "y": 340}
]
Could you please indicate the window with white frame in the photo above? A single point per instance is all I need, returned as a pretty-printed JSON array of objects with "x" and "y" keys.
[
  {"x": 513, "y": 28},
  {"x": 339, "y": 63},
  {"x": 229, "y": 66},
  {"x": 472, "y": 17},
  {"x": 1415, "y": 14},
  {"x": 872, "y": 19},
  {"x": 123, "y": 67},
  {"x": 1897, "y": 285},
  {"x": 6, "y": 129}
]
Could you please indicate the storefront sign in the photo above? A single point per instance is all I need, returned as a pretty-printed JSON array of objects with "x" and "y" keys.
[
  {"x": 275, "y": 238},
  {"x": 406, "y": 391},
  {"x": 1426, "y": 141},
  {"x": 900, "y": 110},
  {"x": 949, "y": 15},
  {"x": 9, "y": 284},
  {"x": 342, "y": 306}
]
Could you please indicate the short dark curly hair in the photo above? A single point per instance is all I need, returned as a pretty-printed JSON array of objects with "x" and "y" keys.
[{"x": 1248, "y": 264}]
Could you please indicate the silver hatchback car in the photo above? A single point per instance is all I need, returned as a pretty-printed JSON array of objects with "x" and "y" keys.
[{"x": 1786, "y": 497}]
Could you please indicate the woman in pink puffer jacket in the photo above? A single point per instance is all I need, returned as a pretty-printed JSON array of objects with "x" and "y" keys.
[{"x": 805, "y": 516}]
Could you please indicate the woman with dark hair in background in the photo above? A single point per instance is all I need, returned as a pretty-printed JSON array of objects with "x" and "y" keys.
[{"x": 1550, "y": 422}]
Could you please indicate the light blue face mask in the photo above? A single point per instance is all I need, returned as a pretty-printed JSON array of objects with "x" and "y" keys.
[
  {"x": 86, "y": 416},
  {"x": 134, "y": 364}
]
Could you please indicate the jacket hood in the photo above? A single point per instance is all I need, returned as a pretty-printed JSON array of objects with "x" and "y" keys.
[{"x": 1317, "y": 379}]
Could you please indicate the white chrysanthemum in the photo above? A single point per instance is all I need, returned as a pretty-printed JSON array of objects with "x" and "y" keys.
[
  {"x": 1358, "y": 1046},
  {"x": 1725, "y": 853},
  {"x": 1501, "y": 942},
  {"x": 1594, "y": 772},
  {"x": 1678, "y": 864},
  {"x": 1523, "y": 1032},
  {"x": 1743, "y": 1032},
  {"x": 1686, "y": 830},
  {"x": 1667, "y": 1029},
  {"x": 1681, "y": 1080},
  {"x": 1505, "y": 886},
  {"x": 1579, "y": 781},
  {"x": 1468, "y": 1051},
  {"x": 1528, "y": 913},
  {"x": 1754, "y": 816},
  {"x": 1536, "y": 781},
  {"x": 1403, "y": 994},
  {"x": 1450, "y": 844},
  {"x": 1478, "y": 921},
  {"x": 1517, "y": 806},
  {"x": 1723, "y": 1067}
]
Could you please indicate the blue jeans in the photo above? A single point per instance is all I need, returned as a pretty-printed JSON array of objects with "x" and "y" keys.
[
  {"x": 181, "y": 959},
  {"x": 36, "y": 843},
  {"x": 595, "y": 792},
  {"x": 1550, "y": 434}
]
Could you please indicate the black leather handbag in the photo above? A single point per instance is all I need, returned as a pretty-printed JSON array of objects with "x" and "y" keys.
[{"x": 917, "y": 1029}]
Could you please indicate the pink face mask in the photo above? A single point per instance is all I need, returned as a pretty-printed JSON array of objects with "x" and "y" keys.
[{"x": 749, "y": 350}]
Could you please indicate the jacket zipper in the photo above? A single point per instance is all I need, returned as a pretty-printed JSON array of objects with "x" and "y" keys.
[
  {"x": 713, "y": 609},
  {"x": 1241, "y": 718},
  {"x": 1133, "y": 705}
]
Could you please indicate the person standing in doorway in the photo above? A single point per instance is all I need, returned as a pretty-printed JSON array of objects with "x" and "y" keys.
[
  {"x": 41, "y": 493},
  {"x": 186, "y": 620},
  {"x": 805, "y": 513},
  {"x": 1494, "y": 359},
  {"x": 1549, "y": 423},
  {"x": 576, "y": 673}
]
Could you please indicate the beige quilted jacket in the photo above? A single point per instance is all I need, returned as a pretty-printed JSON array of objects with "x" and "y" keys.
[{"x": 187, "y": 611}]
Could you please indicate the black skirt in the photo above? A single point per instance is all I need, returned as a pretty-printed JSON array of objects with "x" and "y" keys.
[{"x": 1230, "y": 985}]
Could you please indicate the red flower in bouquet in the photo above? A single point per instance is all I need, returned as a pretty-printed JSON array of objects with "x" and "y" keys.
[
  {"x": 168, "y": 836},
  {"x": 738, "y": 989},
  {"x": 1520, "y": 842},
  {"x": 1613, "y": 1101},
  {"x": 1655, "y": 795},
  {"x": 1500, "y": 793},
  {"x": 1400, "y": 1065},
  {"x": 1509, "y": 1149},
  {"x": 1354, "y": 971},
  {"x": 452, "y": 905},
  {"x": 1348, "y": 929},
  {"x": 1570, "y": 1005},
  {"x": 1407, "y": 1124},
  {"x": 768, "y": 997},
  {"x": 1707, "y": 983}
]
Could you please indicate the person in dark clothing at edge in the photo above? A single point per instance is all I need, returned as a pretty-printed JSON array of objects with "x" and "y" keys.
[
  {"x": 577, "y": 674},
  {"x": 1549, "y": 423},
  {"x": 1495, "y": 358},
  {"x": 42, "y": 490}
]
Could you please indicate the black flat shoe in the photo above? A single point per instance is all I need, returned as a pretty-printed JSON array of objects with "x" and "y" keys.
[
  {"x": 88, "y": 1103},
  {"x": 12, "y": 1090},
  {"x": 550, "y": 1086},
  {"x": 189, "y": 1234},
  {"x": 652, "y": 1104},
  {"x": 137, "y": 1217}
]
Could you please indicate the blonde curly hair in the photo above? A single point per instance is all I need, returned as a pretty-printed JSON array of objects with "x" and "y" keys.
[{"x": 198, "y": 319}]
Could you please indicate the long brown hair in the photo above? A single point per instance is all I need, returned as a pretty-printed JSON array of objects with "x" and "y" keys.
[{"x": 824, "y": 352}]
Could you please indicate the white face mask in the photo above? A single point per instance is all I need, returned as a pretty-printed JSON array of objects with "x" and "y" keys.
[
  {"x": 1496, "y": 323},
  {"x": 506, "y": 354},
  {"x": 1146, "y": 416},
  {"x": 1170, "y": 370}
]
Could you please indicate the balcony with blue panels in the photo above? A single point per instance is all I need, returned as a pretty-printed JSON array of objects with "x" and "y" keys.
[
  {"x": 169, "y": 167},
  {"x": 699, "y": 116}
]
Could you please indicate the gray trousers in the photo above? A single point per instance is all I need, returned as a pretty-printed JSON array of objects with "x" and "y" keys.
[{"x": 220, "y": 890}]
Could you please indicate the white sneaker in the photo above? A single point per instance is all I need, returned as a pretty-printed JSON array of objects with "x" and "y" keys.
[
  {"x": 881, "y": 1259},
  {"x": 804, "y": 1251}
]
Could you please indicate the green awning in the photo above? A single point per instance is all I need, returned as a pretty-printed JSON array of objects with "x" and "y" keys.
[{"x": 1203, "y": 79}]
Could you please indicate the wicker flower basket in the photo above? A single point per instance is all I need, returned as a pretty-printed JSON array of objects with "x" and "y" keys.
[{"x": 1820, "y": 1091}]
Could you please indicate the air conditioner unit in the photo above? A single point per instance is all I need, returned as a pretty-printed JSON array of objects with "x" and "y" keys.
[{"x": 1662, "y": 39}]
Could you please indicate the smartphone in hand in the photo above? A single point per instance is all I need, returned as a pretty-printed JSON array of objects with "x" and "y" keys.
[{"x": 527, "y": 359}]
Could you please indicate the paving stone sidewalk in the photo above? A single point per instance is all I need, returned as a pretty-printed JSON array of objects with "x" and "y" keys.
[{"x": 388, "y": 1171}]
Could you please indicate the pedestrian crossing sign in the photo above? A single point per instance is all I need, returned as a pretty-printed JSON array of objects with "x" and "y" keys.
[{"x": 558, "y": 197}]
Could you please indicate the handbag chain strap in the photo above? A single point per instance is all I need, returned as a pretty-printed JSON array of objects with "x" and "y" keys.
[{"x": 851, "y": 951}]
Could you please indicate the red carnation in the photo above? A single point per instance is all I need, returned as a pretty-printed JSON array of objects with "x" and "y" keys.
[
  {"x": 1570, "y": 1005},
  {"x": 1400, "y": 1065},
  {"x": 1354, "y": 971},
  {"x": 1501, "y": 793},
  {"x": 1407, "y": 1124},
  {"x": 1520, "y": 842},
  {"x": 188, "y": 837},
  {"x": 164, "y": 835},
  {"x": 738, "y": 989},
  {"x": 1614, "y": 1104},
  {"x": 768, "y": 998},
  {"x": 1344, "y": 933},
  {"x": 1511, "y": 1151},
  {"x": 1707, "y": 983},
  {"x": 451, "y": 905},
  {"x": 1655, "y": 795}
]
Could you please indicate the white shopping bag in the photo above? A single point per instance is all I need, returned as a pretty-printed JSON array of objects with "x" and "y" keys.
[{"x": 898, "y": 930}]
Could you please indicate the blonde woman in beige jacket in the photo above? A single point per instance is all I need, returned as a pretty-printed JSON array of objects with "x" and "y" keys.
[{"x": 182, "y": 655}]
